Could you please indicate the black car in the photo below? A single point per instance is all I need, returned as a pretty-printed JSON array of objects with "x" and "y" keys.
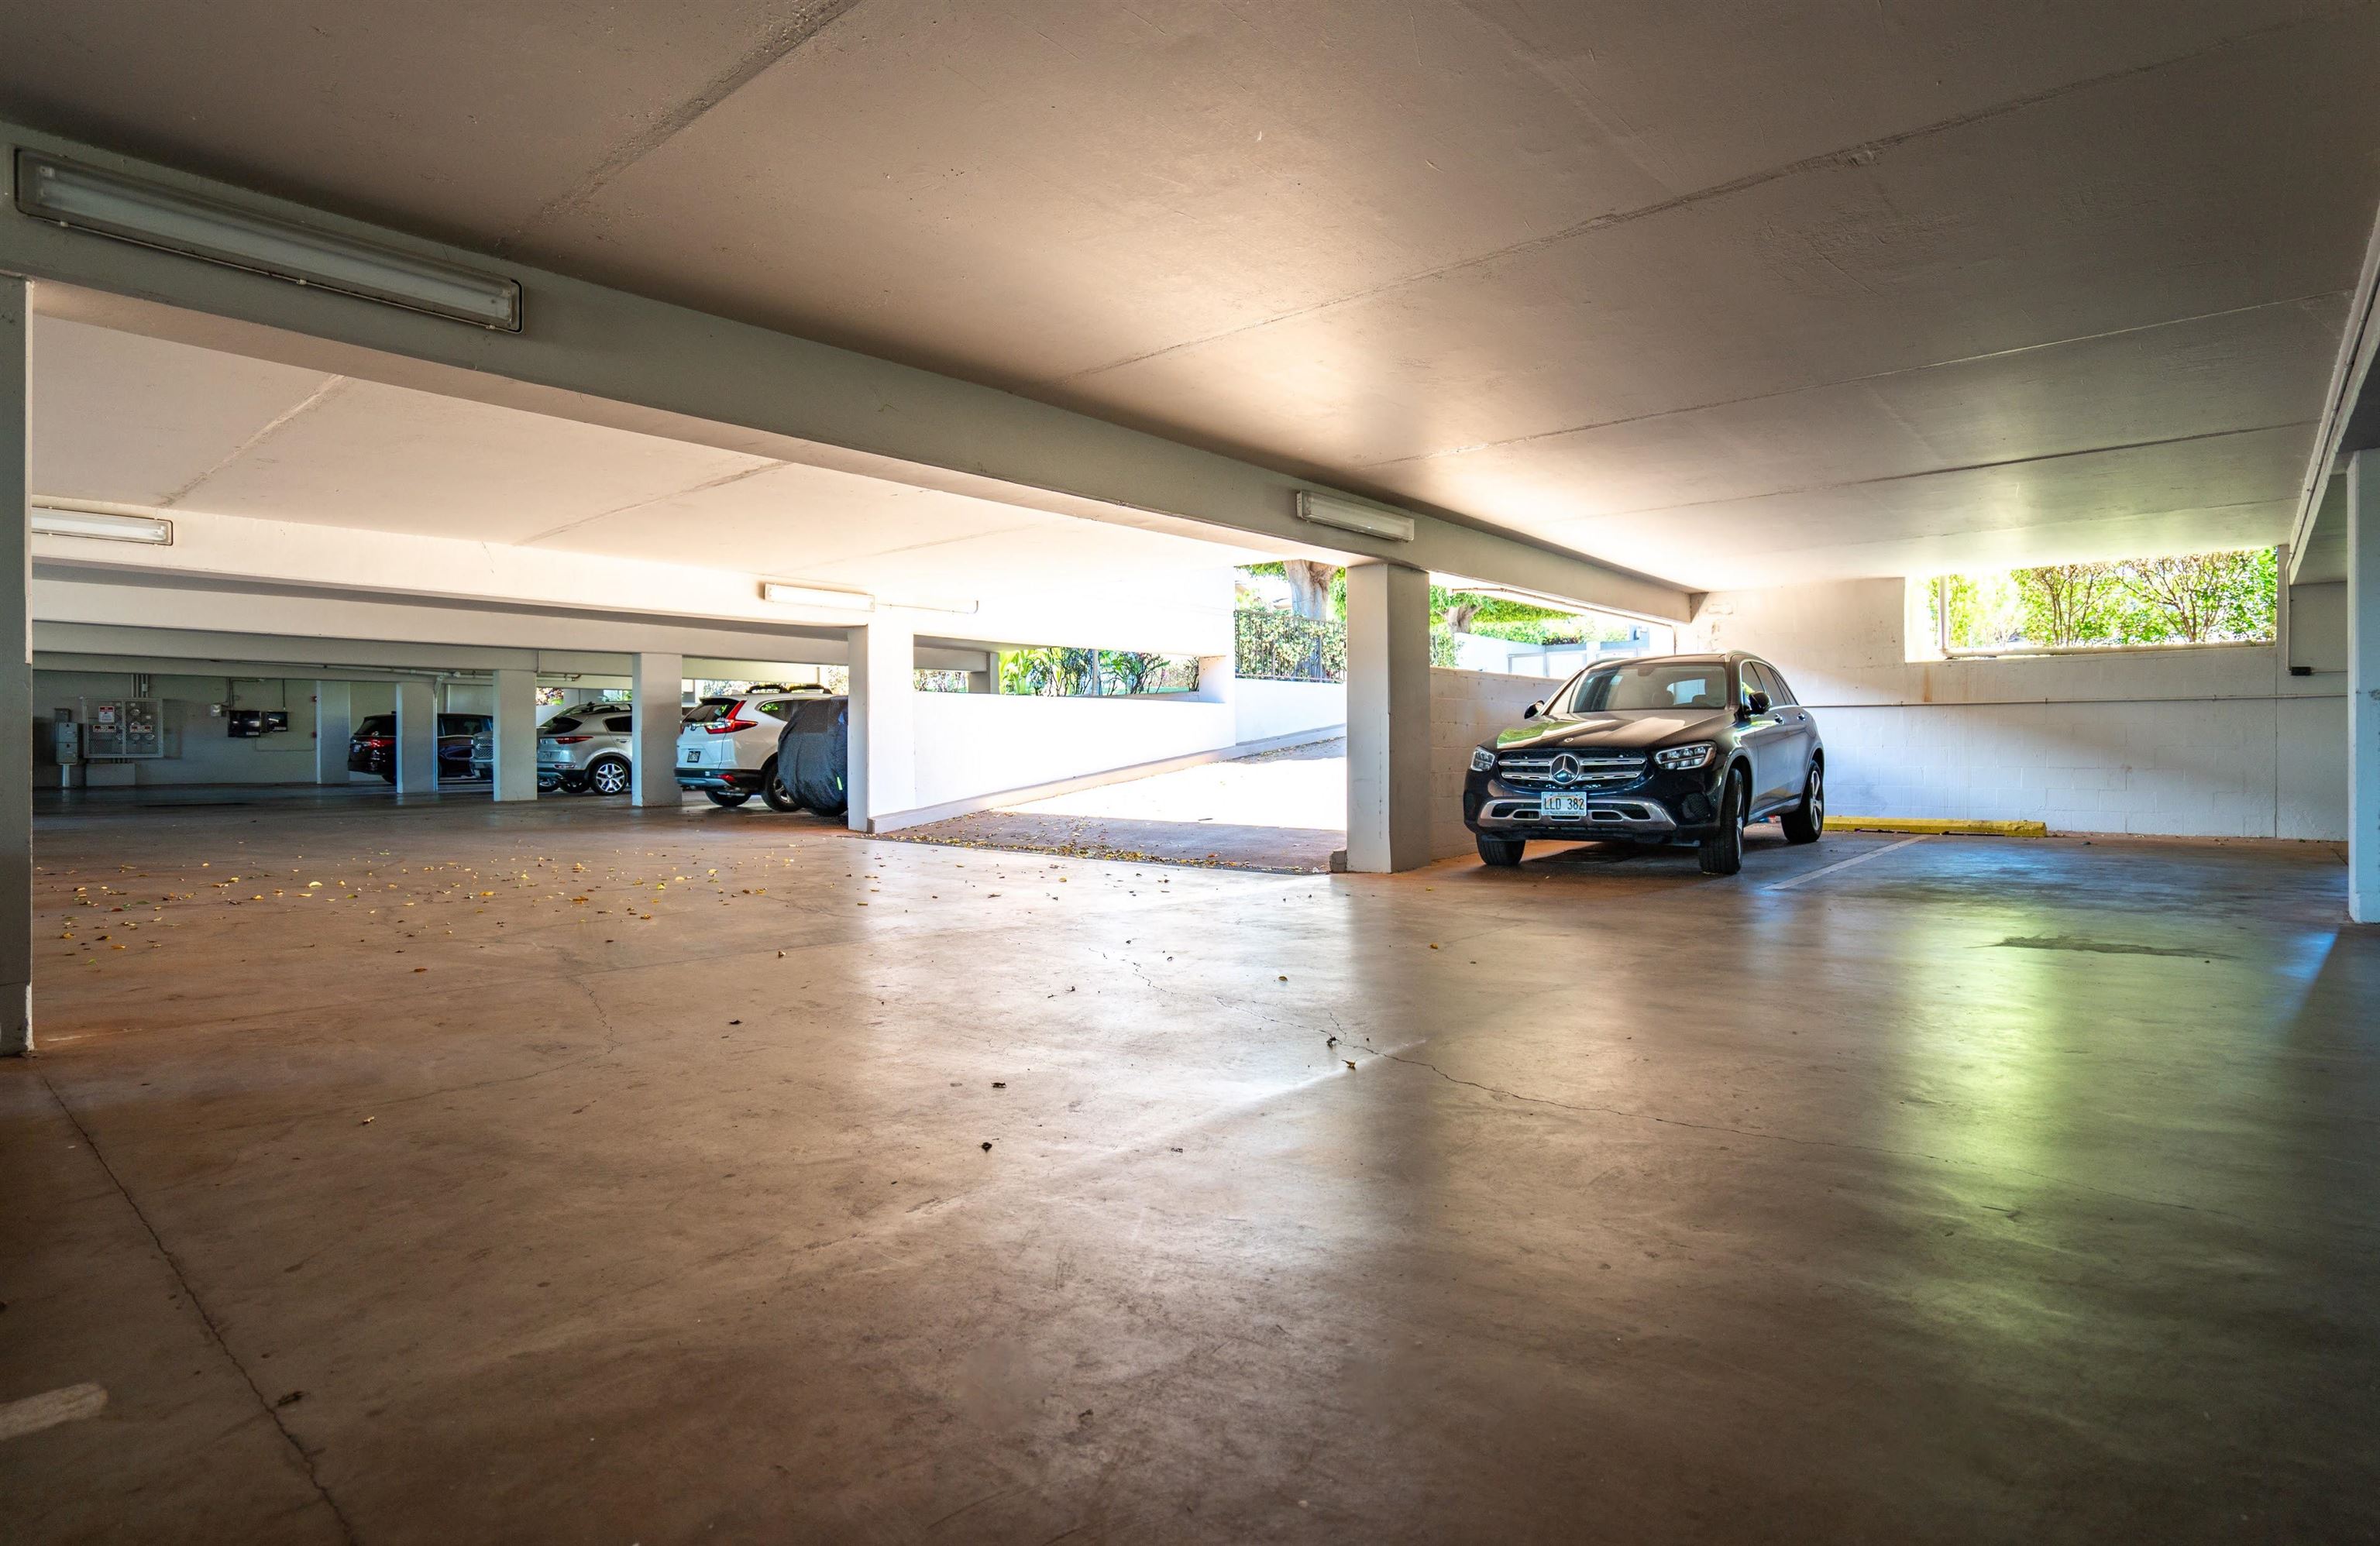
[
  {"x": 373, "y": 749},
  {"x": 1679, "y": 748}
]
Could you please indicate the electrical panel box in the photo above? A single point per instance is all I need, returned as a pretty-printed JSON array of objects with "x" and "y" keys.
[
  {"x": 124, "y": 728},
  {"x": 251, "y": 722},
  {"x": 65, "y": 741}
]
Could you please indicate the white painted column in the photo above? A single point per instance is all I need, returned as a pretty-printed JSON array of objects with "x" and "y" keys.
[
  {"x": 883, "y": 777},
  {"x": 1387, "y": 718},
  {"x": 335, "y": 726},
  {"x": 16, "y": 679},
  {"x": 515, "y": 735},
  {"x": 417, "y": 738},
  {"x": 2363, "y": 687},
  {"x": 659, "y": 709}
]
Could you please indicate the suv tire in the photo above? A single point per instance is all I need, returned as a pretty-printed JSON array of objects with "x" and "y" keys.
[
  {"x": 1805, "y": 821},
  {"x": 773, "y": 793},
  {"x": 1502, "y": 852},
  {"x": 730, "y": 798},
  {"x": 1722, "y": 853},
  {"x": 610, "y": 775}
]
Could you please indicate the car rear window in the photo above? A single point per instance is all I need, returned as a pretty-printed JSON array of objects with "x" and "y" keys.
[
  {"x": 462, "y": 724},
  {"x": 376, "y": 724},
  {"x": 561, "y": 724},
  {"x": 710, "y": 709}
]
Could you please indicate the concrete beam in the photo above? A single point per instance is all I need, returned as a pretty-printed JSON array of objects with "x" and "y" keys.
[
  {"x": 2363, "y": 687},
  {"x": 304, "y": 632},
  {"x": 657, "y": 707},
  {"x": 16, "y": 678},
  {"x": 1387, "y": 718},
  {"x": 604, "y": 355},
  {"x": 2349, "y": 422}
]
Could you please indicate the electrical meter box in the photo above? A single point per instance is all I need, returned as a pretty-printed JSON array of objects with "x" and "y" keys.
[{"x": 123, "y": 728}]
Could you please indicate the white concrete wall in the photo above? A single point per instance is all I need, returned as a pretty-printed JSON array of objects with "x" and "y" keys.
[
  {"x": 971, "y": 745},
  {"x": 1263, "y": 709},
  {"x": 2199, "y": 742},
  {"x": 1466, "y": 709},
  {"x": 199, "y": 749}
]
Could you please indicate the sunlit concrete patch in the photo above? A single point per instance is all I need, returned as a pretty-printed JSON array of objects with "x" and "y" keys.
[{"x": 70, "y": 1404}]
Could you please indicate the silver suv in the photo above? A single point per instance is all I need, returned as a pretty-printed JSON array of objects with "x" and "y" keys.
[
  {"x": 728, "y": 748},
  {"x": 588, "y": 752}
]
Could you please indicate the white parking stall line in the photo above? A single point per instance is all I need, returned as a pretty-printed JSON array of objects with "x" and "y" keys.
[
  {"x": 1847, "y": 864},
  {"x": 50, "y": 1408}
]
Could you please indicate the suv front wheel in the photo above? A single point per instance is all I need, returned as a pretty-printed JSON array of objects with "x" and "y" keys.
[
  {"x": 1501, "y": 852},
  {"x": 1722, "y": 851},
  {"x": 1805, "y": 821},
  {"x": 773, "y": 793}
]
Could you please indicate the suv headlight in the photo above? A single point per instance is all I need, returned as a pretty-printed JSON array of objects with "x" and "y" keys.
[
  {"x": 1482, "y": 759},
  {"x": 1677, "y": 760}
]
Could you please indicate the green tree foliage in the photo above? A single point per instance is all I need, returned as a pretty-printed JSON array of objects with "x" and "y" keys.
[
  {"x": 1277, "y": 645},
  {"x": 2189, "y": 598},
  {"x": 1282, "y": 647},
  {"x": 1056, "y": 671}
]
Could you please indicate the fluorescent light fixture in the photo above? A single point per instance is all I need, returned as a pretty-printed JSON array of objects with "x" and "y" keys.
[
  {"x": 817, "y": 596},
  {"x": 98, "y": 522},
  {"x": 1325, "y": 510},
  {"x": 85, "y": 199}
]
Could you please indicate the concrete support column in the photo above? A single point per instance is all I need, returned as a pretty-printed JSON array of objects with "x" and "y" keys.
[
  {"x": 16, "y": 680},
  {"x": 335, "y": 726},
  {"x": 417, "y": 738},
  {"x": 1387, "y": 718},
  {"x": 883, "y": 777},
  {"x": 984, "y": 682},
  {"x": 515, "y": 735},
  {"x": 2363, "y": 687},
  {"x": 659, "y": 709}
]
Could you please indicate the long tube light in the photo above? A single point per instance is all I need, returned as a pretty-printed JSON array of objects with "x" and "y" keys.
[
  {"x": 85, "y": 199},
  {"x": 1347, "y": 516},
  {"x": 77, "y": 518},
  {"x": 817, "y": 596}
]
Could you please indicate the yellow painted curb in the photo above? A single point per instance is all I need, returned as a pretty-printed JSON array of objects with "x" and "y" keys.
[{"x": 1948, "y": 827}]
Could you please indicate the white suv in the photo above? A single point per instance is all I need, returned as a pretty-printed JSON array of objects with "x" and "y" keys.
[{"x": 728, "y": 749}]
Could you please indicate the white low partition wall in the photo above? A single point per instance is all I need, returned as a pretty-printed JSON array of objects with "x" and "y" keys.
[
  {"x": 978, "y": 751},
  {"x": 1267, "y": 710},
  {"x": 1466, "y": 709},
  {"x": 2212, "y": 741}
]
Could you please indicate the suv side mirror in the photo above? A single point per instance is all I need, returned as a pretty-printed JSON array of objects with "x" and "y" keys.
[
  {"x": 1756, "y": 701},
  {"x": 1534, "y": 709}
]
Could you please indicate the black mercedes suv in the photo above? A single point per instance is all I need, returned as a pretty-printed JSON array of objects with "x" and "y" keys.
[{"x": 1679, "y": 748}]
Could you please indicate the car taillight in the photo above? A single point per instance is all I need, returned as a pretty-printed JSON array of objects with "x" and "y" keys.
[
  {"x": 727, "y": 727},
  {"x": 372, "y": 741},
  {"x": 567, "y": 739}
]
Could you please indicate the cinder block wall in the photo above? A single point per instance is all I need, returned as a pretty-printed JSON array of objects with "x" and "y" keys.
[
  {"x": 2199, "y": 742},
  {"x": 1465, "y": 710}
]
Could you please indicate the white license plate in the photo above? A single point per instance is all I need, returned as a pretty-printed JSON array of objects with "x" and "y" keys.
[{"x": 1563, "y": 805}]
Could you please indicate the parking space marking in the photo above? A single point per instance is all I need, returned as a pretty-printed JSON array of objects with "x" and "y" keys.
[
  {"x": 50, "y": 1408},
  {"x": 1847, "y": 864}
]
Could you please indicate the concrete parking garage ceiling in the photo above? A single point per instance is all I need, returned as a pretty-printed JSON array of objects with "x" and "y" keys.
[
  {"x": 1735, "y": 293},
  {"x": 127, "y": 420}
]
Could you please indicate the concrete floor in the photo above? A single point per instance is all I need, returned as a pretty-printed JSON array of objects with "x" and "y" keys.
[
  {"x": 1977, "y": 1190},
  {"x": 1283, "y": 810}
]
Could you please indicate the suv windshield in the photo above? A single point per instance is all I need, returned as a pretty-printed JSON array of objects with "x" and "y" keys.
[{"x": 1651, "y": 684}]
